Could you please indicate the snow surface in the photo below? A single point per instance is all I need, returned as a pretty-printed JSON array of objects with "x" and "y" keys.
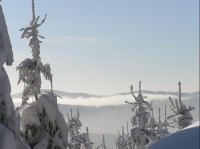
[
  {"x": 7, "y": 140},
  {"x": 187, "y": 138},
  {"x": 196, "y": 124}
]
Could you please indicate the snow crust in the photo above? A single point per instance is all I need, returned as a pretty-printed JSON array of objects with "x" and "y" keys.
[
  {"x": 196, "y": 124},
  {"x": 187, "y": 138}
]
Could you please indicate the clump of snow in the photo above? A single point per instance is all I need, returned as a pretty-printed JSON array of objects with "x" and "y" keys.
[{"x": 29, "y": 116}]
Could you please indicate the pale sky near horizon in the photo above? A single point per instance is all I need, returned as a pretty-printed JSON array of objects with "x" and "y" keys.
[{"x": 104, "y": 46}]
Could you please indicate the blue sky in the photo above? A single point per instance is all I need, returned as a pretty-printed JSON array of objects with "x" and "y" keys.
[{"x": 104, "y": 46}]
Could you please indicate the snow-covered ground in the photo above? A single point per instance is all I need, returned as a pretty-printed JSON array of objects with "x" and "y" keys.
[
  {"x": 187, "y": 138},
  {"x": 7, "y": 140}
]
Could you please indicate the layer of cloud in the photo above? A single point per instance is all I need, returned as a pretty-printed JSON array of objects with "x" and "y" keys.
[{"x": 104, "y": 100}]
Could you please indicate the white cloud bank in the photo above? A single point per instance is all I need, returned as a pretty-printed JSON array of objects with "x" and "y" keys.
[{"x": 104, "y": 100}]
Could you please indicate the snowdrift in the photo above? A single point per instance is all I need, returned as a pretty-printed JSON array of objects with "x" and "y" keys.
[
  {"x": 7, "y": 140},
  {"x": 187, "y": 138}
]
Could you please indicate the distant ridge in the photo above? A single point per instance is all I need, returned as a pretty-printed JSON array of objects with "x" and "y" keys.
[
  {"x": 163, "y": 93},
  {"x": 86, "y": 95}
]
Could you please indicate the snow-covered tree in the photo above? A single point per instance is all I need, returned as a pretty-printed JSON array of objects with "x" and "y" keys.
[
  {"x": 77, "y": 140},
  {"x": 160, "y": 128},
  {"x": 124, "y": 141},
  {"x": 9, "y": 118},
  {"x": 145, "y": 130},
  {"x": 141, "y": 109},
  {"x": 182, "y": 115},
  {"x": 141, "y": 115},
  {"x": 31, "y": 68},
  {"x": 42, "y": 125}
]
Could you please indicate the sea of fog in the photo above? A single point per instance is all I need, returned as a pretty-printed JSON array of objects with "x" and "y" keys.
[{"x": 107, "y": 114}]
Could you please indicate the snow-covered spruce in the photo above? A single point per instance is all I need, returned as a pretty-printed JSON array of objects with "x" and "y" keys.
[
  {"x": 124, "y": 141},
  {"x": 9, "y": 119},
  {"x": 182, "y": 115},
  {"x": 42, "y": 125},
  {"x": 29, "y": 74},
  {"x": 145, "y": 130},
  {"x": 31, "y": 68},
  {"x": 77, "y": 140}
]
